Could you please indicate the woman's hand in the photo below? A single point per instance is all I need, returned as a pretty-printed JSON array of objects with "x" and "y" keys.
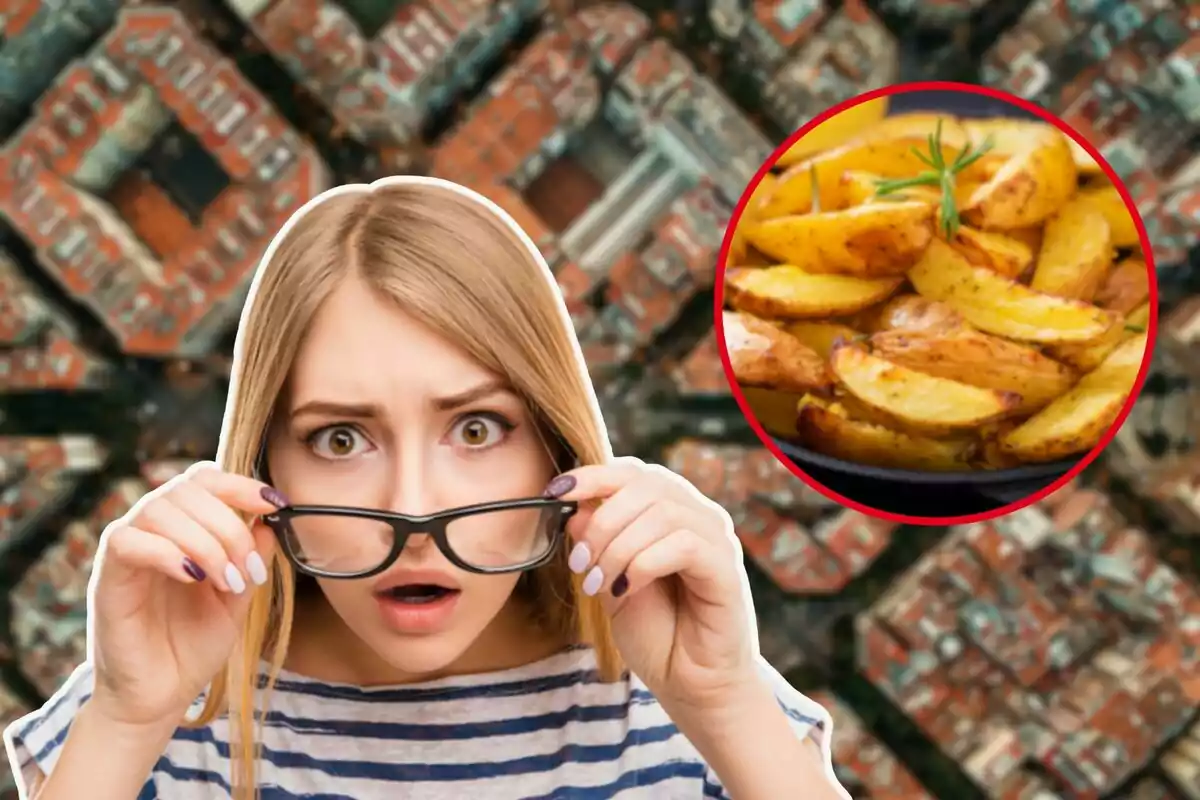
[
  {"x": 173, "y": 583},
  {"x": 668, "y": 567}
]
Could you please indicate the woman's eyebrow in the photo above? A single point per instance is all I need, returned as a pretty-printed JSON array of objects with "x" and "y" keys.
[
  {"x": 334, "y": 408},
  {"x": 470, "y": 395}
]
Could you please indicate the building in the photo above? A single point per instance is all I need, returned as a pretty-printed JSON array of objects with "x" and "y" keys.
[
  {"x": 803, "y": 58},
  {"x": 60, "y": 184},
  {"x": 1126, "y": 76},
  {"x": 50, "y": 602},
  {"x": 37, "y": 476},
  {"x": 864, "y": 766},
  {"x": 40, "y": 348},
  {"x": 1049, "y": 649},
  {"x": 769, "y": 505}
]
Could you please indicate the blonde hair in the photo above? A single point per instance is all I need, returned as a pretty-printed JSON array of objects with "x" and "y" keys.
[{"x": 460, "y": 265}]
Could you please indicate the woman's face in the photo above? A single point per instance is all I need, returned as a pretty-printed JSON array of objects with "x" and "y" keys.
[{"x": 382, "y": 413}]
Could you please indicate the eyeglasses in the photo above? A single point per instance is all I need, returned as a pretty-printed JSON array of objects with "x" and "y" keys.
[{"x": 487, "y": 538}]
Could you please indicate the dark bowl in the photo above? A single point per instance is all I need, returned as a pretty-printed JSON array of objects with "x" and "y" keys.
[
  {"x": 931, "y": 494},
  {"x": 926, "y": 494}
]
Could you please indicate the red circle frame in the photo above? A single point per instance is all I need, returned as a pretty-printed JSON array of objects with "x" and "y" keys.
[{"x": 1041, "y": 113}]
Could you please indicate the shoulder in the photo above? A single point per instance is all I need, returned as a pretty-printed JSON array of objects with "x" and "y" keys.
[{"x": 33, "y": 742}]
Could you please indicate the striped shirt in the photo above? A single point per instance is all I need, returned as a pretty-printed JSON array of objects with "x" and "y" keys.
[{"x": 549, "y": 730}]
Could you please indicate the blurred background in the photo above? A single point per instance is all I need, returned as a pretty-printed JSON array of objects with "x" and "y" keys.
[{"x": 148, "y": 152}]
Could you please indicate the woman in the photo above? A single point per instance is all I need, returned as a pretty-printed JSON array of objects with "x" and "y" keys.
[{"x": 564, "y": 625}]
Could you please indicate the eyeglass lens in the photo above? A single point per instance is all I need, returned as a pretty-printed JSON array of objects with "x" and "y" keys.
[{"x": 347, "y": 545}]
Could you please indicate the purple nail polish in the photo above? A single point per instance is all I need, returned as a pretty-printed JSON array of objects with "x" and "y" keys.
[
  {"x": 193, "y": 570},
  {"x": 560, "y": 486},
  {"x": 274, "y": 497},
  {"x": 620, "y": 585}
]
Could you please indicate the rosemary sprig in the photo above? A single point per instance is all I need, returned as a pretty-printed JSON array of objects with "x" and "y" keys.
[
  {"x": 939, "y": 174},
  {"x": 1135, "y": 328}
]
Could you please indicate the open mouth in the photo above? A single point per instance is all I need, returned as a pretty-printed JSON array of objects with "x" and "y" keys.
[{"x": 419, "y": 593}]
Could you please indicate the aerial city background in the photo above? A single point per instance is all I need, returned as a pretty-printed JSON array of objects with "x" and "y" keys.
[{"x": 149, "y": 151}]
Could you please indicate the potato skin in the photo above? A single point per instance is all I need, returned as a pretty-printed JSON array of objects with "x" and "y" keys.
[
  {"x": 825, "y": 430},
  {"x": 887, "y": 158},
  {"x": 737, "y": 245},
  {"x": 1076, "y": 253},
  {"x": 1002, "y": 254},
  {"x": 763, "y": 355},
  {"x": 1032, "y": 185},
  {"x": 916, "y": 400},
  {"x": 788, "y": 292},
  {"x": 1108, "y": 201},
  {"x": 1004, "y": 307},
  {"x": 1076, "y": 421},
  {"x": 978, "y": 359},
  {"x": 1126, "y": 287},
  {"x": 870, "y": 241},
  {"x": 912, "y": 312},
  {"x": 774, "y": 410},
  {"x": 822, "y": 336}
]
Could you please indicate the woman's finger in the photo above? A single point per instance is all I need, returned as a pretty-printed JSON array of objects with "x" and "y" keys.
[
  {"x": 237, "y": 491},
  {"x": 224, "y": 523},
  {"x": 688, "y": 555},
  {"x": 139, "y": 549},
  {"x": 594, "y": 533},
  {"x": 594, "y": 482},
  {"x": 161, "y": 516},
  {"x": 653, "y": 523}
]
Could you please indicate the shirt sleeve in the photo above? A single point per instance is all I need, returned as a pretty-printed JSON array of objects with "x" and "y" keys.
[
  {"x": 809, "y": 720},
  {"x": 35, "y": 740}
]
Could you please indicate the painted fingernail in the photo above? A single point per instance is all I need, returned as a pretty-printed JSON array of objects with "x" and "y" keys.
[
  {"x": 593, "y": 581},
  {"x": 193, "y": 570},
  {"x": 579, "y": 559},
  {"x": 274, "y": 497},
  {"x": 620, "y": 585},
  {"x": 560, "y": 486},
  {"x": 256, "y": 569},
  {"x": 234, "y": 579}
]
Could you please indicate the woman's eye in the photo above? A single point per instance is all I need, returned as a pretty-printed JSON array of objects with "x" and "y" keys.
[
  {"x": 479, "y": 431},
  {"x": 337, "y": 442}
]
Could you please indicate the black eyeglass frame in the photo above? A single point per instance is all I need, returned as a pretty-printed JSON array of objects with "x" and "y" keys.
[{"x": 406, "y": 525}]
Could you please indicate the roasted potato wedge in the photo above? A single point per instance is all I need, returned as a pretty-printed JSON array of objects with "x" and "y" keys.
[
  {"x": 737, "y": 246},
  {"x": 1107, "y": 200},
  {"x": 1076, "y": 253},
  {"x": 776, "y": 411},
  {"x": 1009, "y": 136},
  {"x": 1030, "y": 237},
  {"x": 1077, "y": 421},
  {"x": 1086, "y": 357},
  {"x": 835, "y": 131},
  {"x": 1001, "y": 254},
  {"x": 978, "y": 359},
  {"x": 1138, "y": 320},
  {"x": 1033, "y": 184},
  {"x": 788, "y": 292},
  {"x": 872, "y": 241},
  {"x": 916, "y": 400},
  {"x": 888, "y": 158},
  {"x": 766, "y": 356},
  {"x": 1126, "y": 286},
  {"x": 1001, "y": 306},
  {"x": 827, "y": 429},
  {"x": 822, "y": 336},
  {"x": 912, "y": 312},
  {"x": 859, "y": 188},
  {"x": 1084, "y": 163}
]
